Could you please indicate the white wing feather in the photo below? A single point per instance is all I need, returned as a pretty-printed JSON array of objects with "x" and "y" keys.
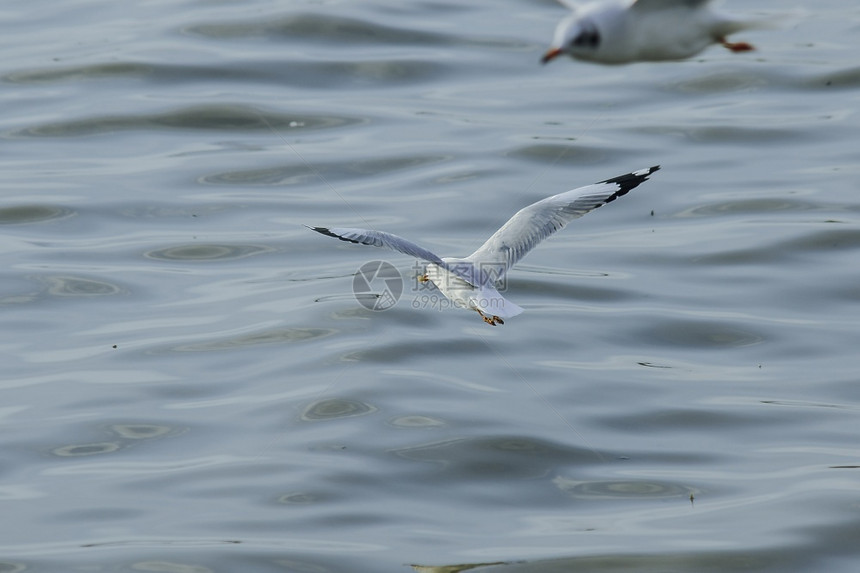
[
  {"x": 379, "y": 239},
  {"x": 534, "y": 223},
  {"x": 469, "y": 274}
]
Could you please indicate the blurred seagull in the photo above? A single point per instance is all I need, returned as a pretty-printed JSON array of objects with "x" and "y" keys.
[
  {"x": 470, "y": 282},
  {"x": 625, "y": 31}
]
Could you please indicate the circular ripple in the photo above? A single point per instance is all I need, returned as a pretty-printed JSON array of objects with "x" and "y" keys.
[
  {"x": 206, "y": 252},
  {"x": 141, "y": 431},
  {"x": 748, "y": 206},
  {"x": 86, "y": 449},
  {"x": 22, "y": 214},
  {"x": 336, "y": 408},
  {"x": 416, "y": 422},
  {"x": 76, "y": 286},
  {"x": 621, "y": 489}
]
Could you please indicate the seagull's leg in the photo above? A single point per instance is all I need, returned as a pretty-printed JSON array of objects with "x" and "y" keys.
[
  {"x": 736, "y": 46},
  {"x": 487, "y": 319},
  {"x": 491, "y": 320},
  {"x": 423, "y": 278}
]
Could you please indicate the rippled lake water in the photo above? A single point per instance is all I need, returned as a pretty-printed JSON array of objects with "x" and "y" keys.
[{"x": 189, "y": 384}]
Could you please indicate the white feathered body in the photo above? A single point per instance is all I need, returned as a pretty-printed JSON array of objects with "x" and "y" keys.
[
  {"x": 462, "y": 294},
  {"x": 662, "y": 31}
]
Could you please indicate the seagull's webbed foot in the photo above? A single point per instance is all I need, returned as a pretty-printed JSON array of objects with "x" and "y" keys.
[
  {"x": 491, "y": 320},
  {"x": 423, "y": 278},
  {"x": 737, "y": 46}
]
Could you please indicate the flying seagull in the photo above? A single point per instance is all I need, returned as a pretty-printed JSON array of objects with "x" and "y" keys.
[
  {"x": 625, "y": 31},
  {"x": 470, "y": 282}
]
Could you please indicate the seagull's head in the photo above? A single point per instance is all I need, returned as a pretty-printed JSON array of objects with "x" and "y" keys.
[{"x": 576, "y": 36}]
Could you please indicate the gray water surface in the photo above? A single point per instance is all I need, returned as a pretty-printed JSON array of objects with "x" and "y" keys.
[{"x": 189, "y": 385}]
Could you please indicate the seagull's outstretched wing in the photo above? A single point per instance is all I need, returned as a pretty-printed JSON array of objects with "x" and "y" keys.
[
  {"x": 538, "y": 221},
  {"x": 471, "y": 275},
  {"x": 379, "y": 239}
]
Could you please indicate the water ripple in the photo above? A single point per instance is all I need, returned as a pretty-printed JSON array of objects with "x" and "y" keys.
[
  {"x": 335, "y": 408},
  {"x": 638, "y": 489},
  {"x": 341, "y": 170},
  {"x": 322, "y": 28},
  {"x": 701, "y": 334},
  {"x": 79, "y": 286},
  {"x": 38, "y": 213},
  {"x": 223, "y": 117},
  {"x": 207, "y": 252},
  {"x": 277, "y": 336}
]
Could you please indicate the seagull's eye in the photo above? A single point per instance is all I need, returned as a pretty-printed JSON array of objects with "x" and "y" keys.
[{"x": 589, "y": 37}]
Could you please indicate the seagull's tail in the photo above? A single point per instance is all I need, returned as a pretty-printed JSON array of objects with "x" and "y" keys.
[{"x": 491, "y": 302}]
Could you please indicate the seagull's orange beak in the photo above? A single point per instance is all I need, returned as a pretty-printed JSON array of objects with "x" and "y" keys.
[{"x": 550, "y": 54}]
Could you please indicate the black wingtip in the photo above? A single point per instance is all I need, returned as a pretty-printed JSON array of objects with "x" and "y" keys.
[
  {"x": 323, "y": 230},
  {"x": 329, "y": 233},
  {"x": 630, "y": 181}
]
